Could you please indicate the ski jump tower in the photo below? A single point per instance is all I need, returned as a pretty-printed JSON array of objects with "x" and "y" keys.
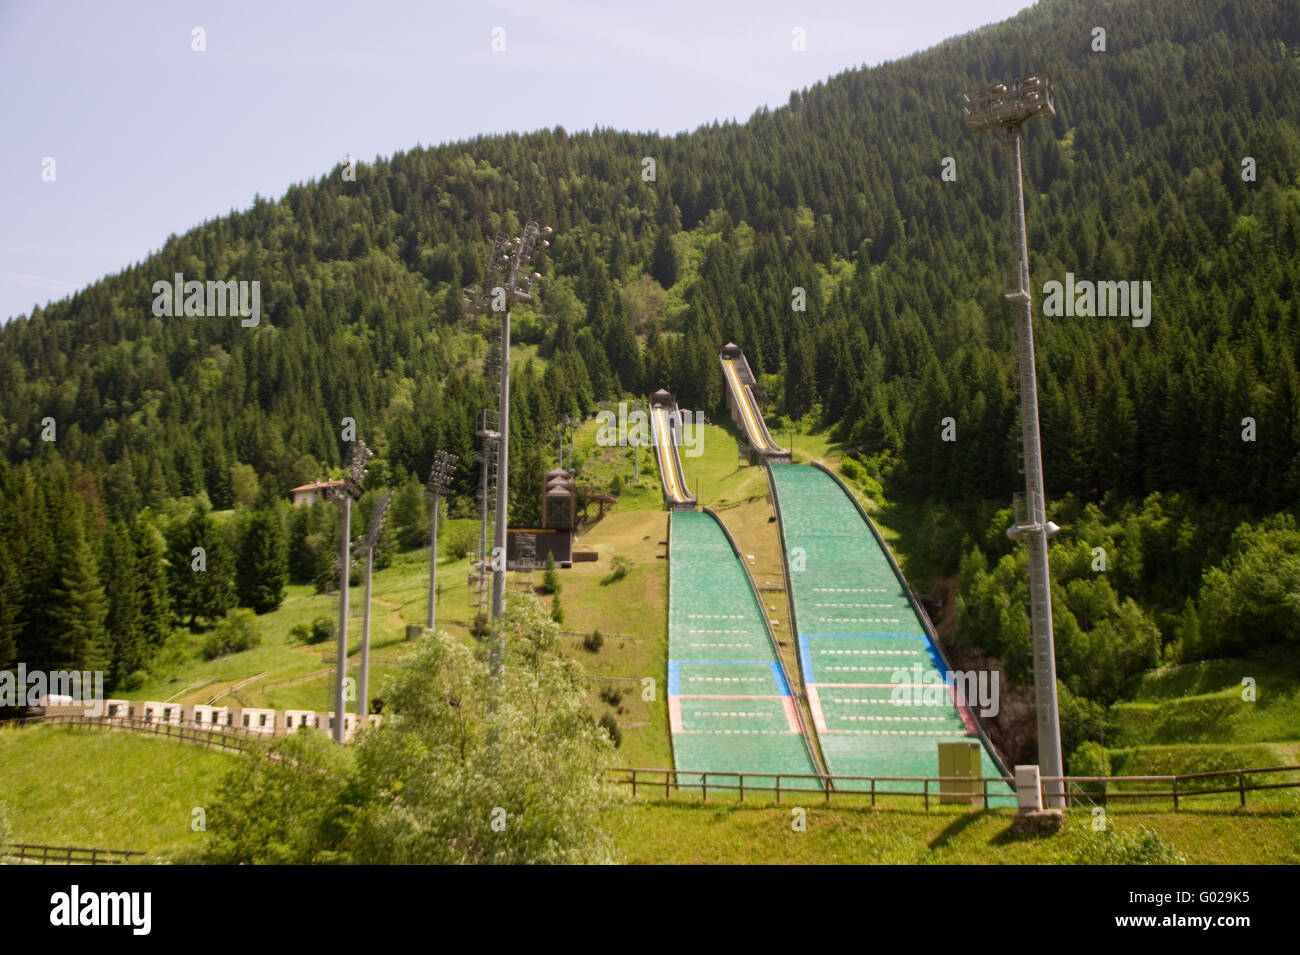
[{"x": 743, "y": 407}]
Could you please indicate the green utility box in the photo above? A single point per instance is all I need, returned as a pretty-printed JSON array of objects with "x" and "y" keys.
[{"x": 960, "y": 759}]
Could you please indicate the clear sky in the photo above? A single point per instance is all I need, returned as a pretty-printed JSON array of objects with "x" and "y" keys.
[{"x": 149, "y": 137}]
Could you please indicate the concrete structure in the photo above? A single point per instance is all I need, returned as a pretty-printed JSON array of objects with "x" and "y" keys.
[
  {"x": 256, "y": 720},
  {"x": 290, "y": 721}
]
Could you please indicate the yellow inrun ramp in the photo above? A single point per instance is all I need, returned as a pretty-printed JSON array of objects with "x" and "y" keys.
[
  {"x": 664, "y": 424},
  {"x": 742, "y": 394}
]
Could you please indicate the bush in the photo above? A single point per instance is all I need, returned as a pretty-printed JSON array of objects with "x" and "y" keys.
[
  {"x": 593, "y": 641},
  {"x": 621, "y": 566},
  {"x": 616, "y": 486},
  {"x": 322, "y": 629},
  {"x": 1140, "y": 846},
  {"x": 300, "y": 633},
  {"x": 459, "y": 542},
  {"x": 1090, "y": 759},
  {"x": 550, "y": 580},
  {"x": 467, "y": 746},
  {"x": 557, "y": 612},
  {"x": 613, "y": 695},
  {"x": 235, "y": 632},
  {"x": 609, "y": 723}
]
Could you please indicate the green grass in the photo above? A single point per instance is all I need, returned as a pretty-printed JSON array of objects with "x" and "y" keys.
[
  {"x": 1201, "y": 758},
  {"x": 105, "y": 789},
  {"x": 1194, "y": 718},
  {"x": 400, "y": 598},
  {"x": 120, "y": 790},
  {"x": 682, "y": 833}
]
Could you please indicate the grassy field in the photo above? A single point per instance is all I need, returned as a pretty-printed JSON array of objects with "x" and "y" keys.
[
  {"x": 299, "y": 675},
  {"x": 121, "y": 790},
  {"x": 1209, "y": 703},
  {"x": 62, "y": 786},
  {"x": 657, "y": 832},
  {"x": 105, "y": 789}
]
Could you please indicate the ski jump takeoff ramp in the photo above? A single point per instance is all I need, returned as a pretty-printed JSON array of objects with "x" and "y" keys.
[
  {"x": 729, "y": 703},
  {"x": 744, "y": 407},
  {"x": 666, "y": 433},
  {"x": 880, "y": 692}
]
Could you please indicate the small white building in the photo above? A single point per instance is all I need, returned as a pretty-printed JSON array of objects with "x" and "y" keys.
[
  {"x": 325, "y": 723},
  {"x": 204, "y": 716},
  {"x": 290, "y": 721},
  {"x": 256, "y": 720},
  {"x": 310, "y": 493},
  {"x": 117, "y": 709},
  {"x": 151, "y": 711}
]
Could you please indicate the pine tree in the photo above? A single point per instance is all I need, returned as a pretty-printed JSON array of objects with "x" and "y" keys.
[
  {"x": 201, "y": 569},
  {"x": 80, "y": 609},
  {"x": 124, "y": 621},
  {"x": 151, "y": 581},
  {"x": 663, "y": 261},
  {"x": 11, "y": 595},
  {"x": 262, "y": 564}
]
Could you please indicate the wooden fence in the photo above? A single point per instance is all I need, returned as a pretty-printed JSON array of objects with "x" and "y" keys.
[
  {"x": 653, "y": 781},
  {"x": 228, "y": 738},
  {"x": 27, "y": 853}
]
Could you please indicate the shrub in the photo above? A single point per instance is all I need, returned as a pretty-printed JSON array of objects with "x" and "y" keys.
[
  {"x": 621, "y": 566},
  {"x": 300, "y": 633},
  {"x": 551, "y": 579},
  {"x": 616, "y": 486},
  {"x": 235, "y": 632},
  {"x": 609, "y": 723},
  {"x": 557, "y": 612},
  {"x": 613, "y": 695},
  {"x": 593, "y": 641},
  {"x": 1090, "y": 759},
  {"x": 459, "y": 542},
  {"x": 322, "y": 629},
  {"x": 1140, "y": 846}
]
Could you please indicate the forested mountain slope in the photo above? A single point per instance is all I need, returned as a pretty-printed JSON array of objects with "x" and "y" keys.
[{"x": 840, "y": 194}]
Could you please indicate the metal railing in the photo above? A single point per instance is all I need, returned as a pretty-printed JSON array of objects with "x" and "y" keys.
[{"x": 654, "y": 781}]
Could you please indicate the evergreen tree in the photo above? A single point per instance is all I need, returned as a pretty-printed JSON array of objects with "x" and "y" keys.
[
  {"x": 663, "y": 261},
  {"x": 262, "y": 563},
  {"x": 80, "y": 610},
  {"x": 125, "y": 618},
  {"x": 200, "y": 569}
]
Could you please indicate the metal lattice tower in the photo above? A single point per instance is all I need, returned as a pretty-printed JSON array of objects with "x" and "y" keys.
[
  {"x": 511, "y": 257},
  {"x": 367, "y": 546},
  {"x": 440, "y": 475},
  {"x": 480, "y": 591},
  {"x": 1009, "y": 109},
  {"x": 343, "y": 495}
]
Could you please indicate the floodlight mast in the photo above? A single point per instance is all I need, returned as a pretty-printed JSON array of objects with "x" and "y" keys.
[
  {"x": 368, "y": 545},
  {"x": 1009, "y": 109},
  {"x": 508, "y": 256},
  {"x": 444, "y": 466},
  {"x": 344, "y": 494}
]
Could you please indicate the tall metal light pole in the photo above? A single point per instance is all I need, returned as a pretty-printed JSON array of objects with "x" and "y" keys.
[
  {"x": 368, "y": 546},
  {"x": 344, "y": 495},
  {"x": 1009, "y": 109},
  {"x": 444, "y": 466},
  {"x": 508, "y": 256}
]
